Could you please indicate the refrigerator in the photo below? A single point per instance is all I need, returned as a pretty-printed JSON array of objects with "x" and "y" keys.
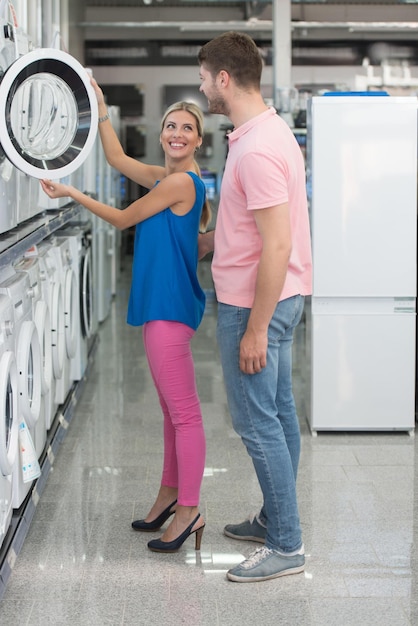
[{"x": 362, "y": 174}]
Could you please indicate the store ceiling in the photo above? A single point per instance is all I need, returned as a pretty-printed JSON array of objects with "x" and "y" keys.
[
  {"x": 249, "y": 4},
  {"x": 324, "y": 20}
]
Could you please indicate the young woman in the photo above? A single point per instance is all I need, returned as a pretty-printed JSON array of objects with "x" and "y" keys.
[{"x": 167, "y": 300}]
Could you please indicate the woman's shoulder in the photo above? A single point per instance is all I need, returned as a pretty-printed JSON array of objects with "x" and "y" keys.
[
  {"x": 179, "y": 178},
  {"x": 196, "y": 178}
]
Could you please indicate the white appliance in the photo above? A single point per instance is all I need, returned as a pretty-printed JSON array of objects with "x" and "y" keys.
[
  {"x": 9, "y": 398},
  {"x": 60, "y": 248},
  {"x": 48, "y": 120},
  {"x": 103, "y": 246},
  {"x": 80, "y": 250},
  {"x": 52, "y": 292},
  {"x": 8, "y": 204},
  {"x": 41, "y": 317},
  {"x": 26, "y": 186},
  {"x": 16, "y": 285},
  {"x": 90, "y": 171},
  {"x": 107, "y": 240},
  {"x": 362, "y": 155},
  {"x": 114, "y": 198}
]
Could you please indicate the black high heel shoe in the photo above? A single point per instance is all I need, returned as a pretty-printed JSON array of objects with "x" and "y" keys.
[
  {"x": 156, "y": 524},
  {"x": 157, "y": 545}
]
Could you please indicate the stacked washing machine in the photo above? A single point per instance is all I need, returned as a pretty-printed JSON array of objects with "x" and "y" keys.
[
  {"x": 52, "y": 293},
  {"x": 50, "y": 115},
  {"x": 113, "y": 192},
  {"x": 78, "y": 237},
  {"x": 9, "y": 398},
  {"x": 107, "y": 239},
  {"x": 8, "y": 173},
  {"x": 102, "y": 245},
  {"x": 48, "y": 126},
  {"x": 61, "y": 251},
  {"x": 26, "y": 185},
  {"x": 41, "y": 316},
  {"x": 16, "y": 286}
]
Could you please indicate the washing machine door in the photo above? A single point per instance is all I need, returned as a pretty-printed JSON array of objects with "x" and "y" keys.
[
  {"x": 86, "y": 295},
  {"x": 48, "y": 113},
  {"x": 29, "y": 367},
  {"x": 43, "y": 325},
  {"x": 57, "y": 330},
  {"x": 8, "y": 412},
  {"x": 71, "y": 315}
]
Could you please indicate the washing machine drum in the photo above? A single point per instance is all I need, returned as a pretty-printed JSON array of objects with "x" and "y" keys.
[{"x": 48, "y": 113}]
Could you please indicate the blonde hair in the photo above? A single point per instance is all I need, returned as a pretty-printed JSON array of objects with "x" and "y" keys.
[{"x": 194, "y": 110}]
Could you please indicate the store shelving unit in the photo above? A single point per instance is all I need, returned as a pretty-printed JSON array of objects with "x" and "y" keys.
[{"x": 12, "y": 247}]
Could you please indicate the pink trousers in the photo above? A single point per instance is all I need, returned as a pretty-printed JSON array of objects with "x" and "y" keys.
[{"x": 169, "y": 354}]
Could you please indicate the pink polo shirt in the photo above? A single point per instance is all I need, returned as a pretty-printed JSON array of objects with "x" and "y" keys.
[{"x": 264, "y": 168}]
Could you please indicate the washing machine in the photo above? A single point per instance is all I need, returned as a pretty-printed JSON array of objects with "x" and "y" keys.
[
  {"x": 46, "y": 203},
  {"x": 48, "y": 113},
  {"x": 41, "y": 317},
  {"x": 16, "y": 286},
  {"x": 52, "y": 294},
  {"x": 79, "y": 239},
  {"x": 103, "y": 244},
  {"x": 9, "y": 403},
  {"x": 115, "y": 200},
  {"x": 26, "y": 187},
  {"x": 8, "y": 195},
  {"x": 8, "y": 173},
  {"x": 61, "y": 249}
]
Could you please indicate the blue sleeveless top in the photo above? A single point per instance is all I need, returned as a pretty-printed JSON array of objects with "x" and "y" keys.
[{"x": 164, "y": 269}]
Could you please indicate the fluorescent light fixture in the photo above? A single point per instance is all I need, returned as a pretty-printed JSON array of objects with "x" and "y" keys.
[{"x": 255, "y": 25}]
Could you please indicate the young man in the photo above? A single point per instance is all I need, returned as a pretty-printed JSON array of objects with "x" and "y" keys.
[{"x": 262, "y": 271}]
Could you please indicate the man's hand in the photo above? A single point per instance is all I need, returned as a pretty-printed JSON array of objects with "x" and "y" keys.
[
  {"x": 205, "y": 243},
  {"x": 253, "y": 352}
]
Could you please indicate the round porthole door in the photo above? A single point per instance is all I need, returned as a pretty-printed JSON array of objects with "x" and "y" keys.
[
  {"x": 9, "y": 412},
  {"x": 86, "y": 295},
  {"x": 48, "y": 113},
  {"x": 43, "y": 324},
  {"x": 57, "y": 330},
  {"x": 71, "y": 312},
  {"x": 29, "y": 369}
]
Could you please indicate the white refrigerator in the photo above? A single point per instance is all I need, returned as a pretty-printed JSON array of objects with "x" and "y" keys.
[{"x": 362, "y": 160}]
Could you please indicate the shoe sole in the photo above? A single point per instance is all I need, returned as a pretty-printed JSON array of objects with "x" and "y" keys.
[
  {"x": 257, "y": 579},
  {"x": 244, "y": 537}
]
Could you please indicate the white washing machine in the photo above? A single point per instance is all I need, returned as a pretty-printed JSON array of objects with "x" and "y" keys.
[
  {"x": 26, "y": 187},
  {"x": 90, "y": 170},
  {"x": 8, "y": 173},
  {"x": 8, "y": 196},
  {"x": 16, "y": 285},
  {"x": 47, "y": 203},
  {"x": 60, "y": 248},
  {"x": 103, "y": 244},
  {"x": 80, "y": 245},
  {"x": 52, "y": 293},
  {"x": 41, "y": 317},
  {"x": 48, "y": 113},
  {"x": 9, "y": 403},
  {"x": 24, "y": 196},
  {"x": 103, "y": 262}
]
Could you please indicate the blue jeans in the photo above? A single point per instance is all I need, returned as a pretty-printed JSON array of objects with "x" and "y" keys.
[{"x": 264, "y": 415}]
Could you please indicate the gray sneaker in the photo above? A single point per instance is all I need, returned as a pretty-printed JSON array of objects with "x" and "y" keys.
[
  {"x": 264, "y": 564},
  {"x": 250, "y": 530}
]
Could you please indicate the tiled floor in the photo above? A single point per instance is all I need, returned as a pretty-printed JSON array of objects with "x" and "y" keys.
[{"x": 82, "y": 564}]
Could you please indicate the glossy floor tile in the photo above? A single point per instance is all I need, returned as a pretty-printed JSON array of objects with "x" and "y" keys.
[{"x": 82, "y": 564}]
